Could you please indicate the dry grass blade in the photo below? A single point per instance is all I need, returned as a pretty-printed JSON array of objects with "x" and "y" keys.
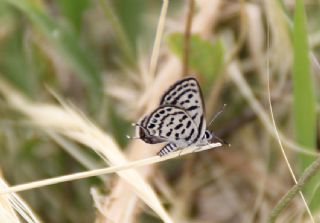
[
  {"x": 68, "y": 122},
  {"x": 108, "y": 170},
  {"x": 12, "y": 203},
  {"x": 157, "y": 42}
]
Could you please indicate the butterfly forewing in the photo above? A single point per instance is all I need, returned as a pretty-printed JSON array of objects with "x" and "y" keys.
[
  {"x": 172, "y": 124},
  {"x": 186, "y": 94}
]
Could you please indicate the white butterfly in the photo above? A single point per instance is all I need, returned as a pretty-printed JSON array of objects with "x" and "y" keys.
[{"x": 179, "y": 120}]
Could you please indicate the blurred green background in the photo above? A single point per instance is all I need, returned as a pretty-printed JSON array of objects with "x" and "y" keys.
[{"x": 77, "y": 47}]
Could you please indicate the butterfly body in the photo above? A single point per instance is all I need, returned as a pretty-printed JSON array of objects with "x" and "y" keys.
[{"x": 179, "y": 120}]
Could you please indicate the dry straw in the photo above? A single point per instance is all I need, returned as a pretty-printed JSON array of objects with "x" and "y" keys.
[
  {"x": 108, "y": 170},
  {"x": 12, "y": 203}
]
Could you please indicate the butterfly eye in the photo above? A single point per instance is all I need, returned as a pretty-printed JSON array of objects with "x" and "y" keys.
[{"x": 208, "y": 135}]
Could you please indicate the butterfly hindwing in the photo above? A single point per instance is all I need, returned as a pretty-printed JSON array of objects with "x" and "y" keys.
[{"x": 172, "y": 124}]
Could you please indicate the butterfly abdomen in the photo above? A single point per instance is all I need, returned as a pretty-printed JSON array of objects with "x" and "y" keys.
[{"x": 167, "y": 149}]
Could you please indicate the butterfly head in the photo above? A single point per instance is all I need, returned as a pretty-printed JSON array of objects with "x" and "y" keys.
[{"x": 145, "y": 135}]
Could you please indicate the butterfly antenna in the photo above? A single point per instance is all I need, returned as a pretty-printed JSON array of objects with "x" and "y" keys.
[
  {"x": 133, "y": 137},
  {"x": 217, "y": 115},
  {"x": 140, "y": 126}
]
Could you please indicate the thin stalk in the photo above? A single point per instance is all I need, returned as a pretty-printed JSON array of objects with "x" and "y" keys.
[
  {"x": 306, "y": 176},
  {"x": 157, "y": 42},
  {"x": 108, "y": 170},
  {"x": 186, "y": 41}
]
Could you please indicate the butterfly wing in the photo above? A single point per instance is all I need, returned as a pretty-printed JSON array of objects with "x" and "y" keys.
[
  {"x": 186, "y": 94},
  {"x": 172, "y": 124}
]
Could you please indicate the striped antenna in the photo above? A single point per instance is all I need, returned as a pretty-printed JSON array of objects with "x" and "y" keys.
[{"x": 217, "y": 115}]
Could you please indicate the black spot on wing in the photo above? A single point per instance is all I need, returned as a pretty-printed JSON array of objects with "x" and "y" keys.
[
  {"x": 183, "y": 118},
  {"x": 178, "y": 126},
  {"x": 192, "y": 107},
  {"x": 191, "y": 133},
  {"x": 194, "y": 116},
  {"x": 185, "y": 102},
  {"x": 168, "y": 134},
  {"x": 175, "y": 100},
  {"x": 199, "y": 129}
]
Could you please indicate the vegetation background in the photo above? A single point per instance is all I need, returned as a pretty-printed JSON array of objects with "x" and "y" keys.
[{"x": 64, "y": 62}]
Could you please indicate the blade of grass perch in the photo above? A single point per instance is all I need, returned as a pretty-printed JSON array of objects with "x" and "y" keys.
[
  {"x": 304, "y": 107},
  {"x": 68, "y": 122},
  {"x": 108, "y": 170},
  {"x": 68, "y": 45}
]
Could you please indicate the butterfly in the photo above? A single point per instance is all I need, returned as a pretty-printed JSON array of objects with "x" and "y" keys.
[{"x": 179, "y": 119}]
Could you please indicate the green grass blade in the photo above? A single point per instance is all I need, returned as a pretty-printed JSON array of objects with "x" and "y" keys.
[
  {"x": 73, "y": 11},
  {"x": 121, "y": 35},
  {"x": 304, "y": 106}
]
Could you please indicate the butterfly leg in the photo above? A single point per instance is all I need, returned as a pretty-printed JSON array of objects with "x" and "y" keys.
[{"x": 167, "y": 149}]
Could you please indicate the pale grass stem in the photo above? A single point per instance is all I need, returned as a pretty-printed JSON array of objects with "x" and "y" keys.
[
  {"x": 157, "y": 42},
  {"x": 108, "y": 170}
]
